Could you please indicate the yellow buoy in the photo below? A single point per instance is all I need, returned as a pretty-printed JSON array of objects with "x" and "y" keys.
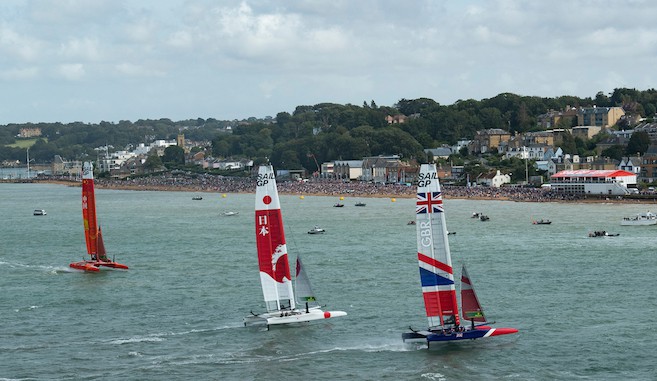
[
  {"x": 393, "y": 199},
  {"x": 223, "y": 195},
  {"x": 301, "y": 197},
  {"x": 341, "y": 198}
]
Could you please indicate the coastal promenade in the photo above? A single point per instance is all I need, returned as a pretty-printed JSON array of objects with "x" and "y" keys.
[{"x": 324, "y": 187}]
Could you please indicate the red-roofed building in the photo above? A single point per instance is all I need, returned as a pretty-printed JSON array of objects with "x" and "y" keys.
[{"x": 595, "y": 182}]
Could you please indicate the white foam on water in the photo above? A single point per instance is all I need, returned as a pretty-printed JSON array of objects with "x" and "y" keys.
[
  {"x": 433, "y": 376},
  {"x": 136, "y": 340}
]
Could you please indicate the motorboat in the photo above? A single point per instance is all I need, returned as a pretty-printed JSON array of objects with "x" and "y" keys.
[
  {"x": 360, "y": 204},
  {"x": 483, "y": 217},
  {"x": 541, "y": 222},
  {"x": 316, "y": 230},
  {"x": 228, "y": 214},
  {"x": 602, "y": 233},
  {"x": 39, "y": 212},
  {"x": 197, "y": 198},
  {"x": 641, "y": 219},
  {"x": 338, "y": 205}
]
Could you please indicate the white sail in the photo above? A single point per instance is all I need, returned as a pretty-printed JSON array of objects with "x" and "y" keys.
[{"x": 302, "y": 287}]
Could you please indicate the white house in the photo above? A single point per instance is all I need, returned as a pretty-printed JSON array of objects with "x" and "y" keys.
[
  {"x": 631, "y": 164},
  {"x": 494, "y": 179}
]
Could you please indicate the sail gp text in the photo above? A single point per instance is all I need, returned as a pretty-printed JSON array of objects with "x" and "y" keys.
[
  {"x": 425, "y": 233},
  {"x": 424, "y": 179},
  {"x": 263, "y": 179}
]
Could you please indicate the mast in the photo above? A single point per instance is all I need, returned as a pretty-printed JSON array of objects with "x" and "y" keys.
[
  {"x": 273, "y": 261},
  {"x": 28, "y": 163},
  {"x": 436, "y": 272}
]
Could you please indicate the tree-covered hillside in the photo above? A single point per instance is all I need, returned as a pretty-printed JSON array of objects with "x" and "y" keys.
[
  {"x": 326, "y": 131},
  {"x": 78, "y": 140}
]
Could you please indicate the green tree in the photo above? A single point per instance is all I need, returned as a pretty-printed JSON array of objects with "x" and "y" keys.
[
  {"x": 639, "y": 143},
  {"x": 614, "y": 152},
  {"x": 173, "y": 155},
  {"x": 153, "y": 162},
  {"x": 568, "y": 144}
]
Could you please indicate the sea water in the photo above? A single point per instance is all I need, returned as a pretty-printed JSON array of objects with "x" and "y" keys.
[{"x": 584, "y": 306}]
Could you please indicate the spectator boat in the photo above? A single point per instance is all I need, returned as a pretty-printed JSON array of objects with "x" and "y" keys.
[{"x": 641, "y": 219}]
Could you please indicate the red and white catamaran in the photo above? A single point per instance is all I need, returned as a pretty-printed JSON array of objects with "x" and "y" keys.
[
  {"x": 437, "y": 274},
  {"x": 92, "y": 232},
  {"x": 275, "y": 278}
]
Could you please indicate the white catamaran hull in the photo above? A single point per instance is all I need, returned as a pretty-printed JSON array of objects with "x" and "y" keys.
[{"x": 296, "y": 316}]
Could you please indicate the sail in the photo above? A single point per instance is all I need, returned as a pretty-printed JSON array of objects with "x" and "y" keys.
[
  {"x": 302, "y": 286},
  {"x": 436, "y": 273},
  {"x": 470, "y": 307},
  {"x": 102, "y": 253},
  {"x": 89, "y": 209},
  {"x": 270, "y": 241}
]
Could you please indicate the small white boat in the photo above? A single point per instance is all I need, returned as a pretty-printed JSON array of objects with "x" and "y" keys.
[
  {"x": 231, "y": 213},
  {"x": 641, "y": 219},
  {"x": 39, "y": 212},
  {"x": 316, "y": 230}
]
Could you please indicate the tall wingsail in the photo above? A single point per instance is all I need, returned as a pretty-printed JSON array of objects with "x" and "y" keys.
[
  {"x": 89, "y": 209},
  {"x": 436, "y": 272},
  {"x": 270, "y": 241},
  {"x": 470, "y": 307},
  {"x": 302, "y": 286}
]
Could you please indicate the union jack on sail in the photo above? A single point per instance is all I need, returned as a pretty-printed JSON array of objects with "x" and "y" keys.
[{"x": 429, "y": 202}]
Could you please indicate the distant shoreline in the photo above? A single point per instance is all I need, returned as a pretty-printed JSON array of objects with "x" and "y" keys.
[{"x": 339, "y": 189}]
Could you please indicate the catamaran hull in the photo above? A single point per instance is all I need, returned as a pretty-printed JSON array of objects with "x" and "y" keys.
[
  {"x": 470, "y": 334},
  {"x": 95, "y": 266},
  {"x": 298, "y": 316}
]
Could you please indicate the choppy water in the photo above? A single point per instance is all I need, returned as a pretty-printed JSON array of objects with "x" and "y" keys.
[{"x": 585, "y": 307}]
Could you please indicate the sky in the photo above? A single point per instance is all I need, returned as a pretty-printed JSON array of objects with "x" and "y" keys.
[{"x": 112, "y": 60}]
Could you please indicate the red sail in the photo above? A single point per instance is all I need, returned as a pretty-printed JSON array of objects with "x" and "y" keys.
[
  {"x": 270, "y": 237},
  {"x": 89, "y": 215},
  {"x": 102, "y": 253},
  {"x": 470, "y": 307}
]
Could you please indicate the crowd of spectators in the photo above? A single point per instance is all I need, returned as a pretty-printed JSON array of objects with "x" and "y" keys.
[{"x": 327, "y": 187}]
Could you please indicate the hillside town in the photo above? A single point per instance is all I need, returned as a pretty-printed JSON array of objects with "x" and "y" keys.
[{"x": 567, "y": 173}]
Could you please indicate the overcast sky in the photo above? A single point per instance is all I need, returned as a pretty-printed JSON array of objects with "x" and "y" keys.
[{"x": 111, "y": 60}]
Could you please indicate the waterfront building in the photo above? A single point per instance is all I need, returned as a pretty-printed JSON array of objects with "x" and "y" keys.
[
  {"x": 348, "y": 169},
  {"x": 593, "y": 182}
]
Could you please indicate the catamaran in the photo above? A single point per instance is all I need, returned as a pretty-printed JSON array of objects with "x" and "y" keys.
[
  {"x": 275, "y": 278},
  {"x": 437, "y": 275},
  {"x": 92, "y": 233}
]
